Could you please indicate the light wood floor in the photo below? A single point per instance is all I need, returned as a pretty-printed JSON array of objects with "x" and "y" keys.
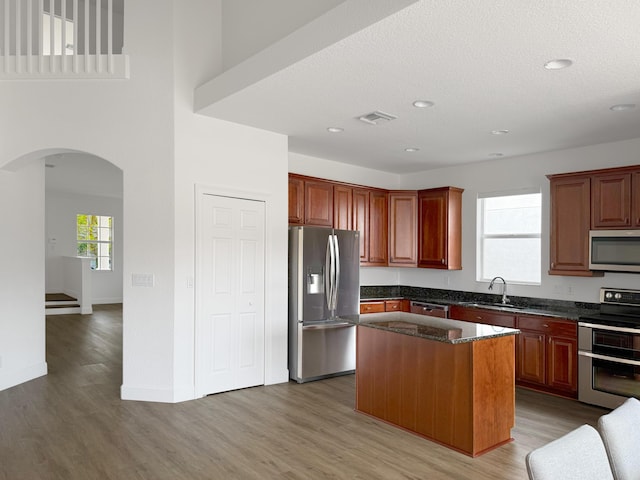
[{"x": 71, "y": 424}]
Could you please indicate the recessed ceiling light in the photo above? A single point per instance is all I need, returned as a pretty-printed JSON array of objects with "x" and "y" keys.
[
  {"x": 558, "y": 64},
  {"x": 499, "y": 132},
  {"x": 623, "y": 106},
  {"x": 335, "y": 129},
  {"x": 496, "y": 154},
  {"x": 411, "y": 149},
  {"x": 423, "y": 103}
]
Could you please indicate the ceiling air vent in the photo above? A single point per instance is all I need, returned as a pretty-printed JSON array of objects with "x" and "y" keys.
[{"x": 376, "y": 118}]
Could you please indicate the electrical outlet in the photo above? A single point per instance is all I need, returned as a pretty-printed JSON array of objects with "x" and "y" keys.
[{"x": 570, "y": 290}]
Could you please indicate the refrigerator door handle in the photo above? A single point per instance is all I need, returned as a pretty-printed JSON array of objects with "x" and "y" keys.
[
  {"x": 337, "y": 276},
  {"x": 329, "y": 272}
]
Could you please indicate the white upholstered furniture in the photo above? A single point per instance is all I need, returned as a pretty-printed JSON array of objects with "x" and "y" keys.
[
  {"x": 578, "y": 455},
  {"x": 620, "y": 431}
]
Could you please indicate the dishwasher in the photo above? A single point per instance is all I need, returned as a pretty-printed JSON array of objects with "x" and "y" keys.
[{"x": 431, "y": 309}]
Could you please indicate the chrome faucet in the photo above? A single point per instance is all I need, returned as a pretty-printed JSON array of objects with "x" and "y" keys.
[{"x": 505, "y": 300}]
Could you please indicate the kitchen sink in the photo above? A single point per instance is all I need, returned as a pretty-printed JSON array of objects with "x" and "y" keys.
[{"x": 494, "y": 306}]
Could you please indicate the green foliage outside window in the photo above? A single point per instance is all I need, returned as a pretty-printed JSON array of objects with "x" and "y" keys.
[{"x": 95, "y": 240}]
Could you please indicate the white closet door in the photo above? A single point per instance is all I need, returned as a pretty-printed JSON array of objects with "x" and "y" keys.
[{"x": 230, "y": 294}]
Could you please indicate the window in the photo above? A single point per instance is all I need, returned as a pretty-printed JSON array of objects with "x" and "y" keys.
[
  {"x": 95, "y": 240},
  {"x": 509, "y": 236},
  {"x": 57, "y": 35}
]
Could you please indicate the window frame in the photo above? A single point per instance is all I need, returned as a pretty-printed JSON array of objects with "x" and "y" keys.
[
  {"x": 108, "y": 243},
  {"x": 481, "y": 236}
]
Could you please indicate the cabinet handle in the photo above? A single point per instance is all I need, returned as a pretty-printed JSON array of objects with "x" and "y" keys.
[
  {"x": 478, "y": 318},
  {"x": 442, "y": 261},
  {"x": 553, "y": 265},
  {"x": 545, "y": 325}
]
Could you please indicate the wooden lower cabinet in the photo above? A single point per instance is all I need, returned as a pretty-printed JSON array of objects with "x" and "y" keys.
[
  {"x": 547, "y": 355},
  {"x": 460, "y": 395},
  {"x": 546, "y": 348},
  {"x": 378, "y": 306}
]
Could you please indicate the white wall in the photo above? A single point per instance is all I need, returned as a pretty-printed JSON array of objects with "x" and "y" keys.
[
  {"x": 22, "y": 337},
  {"x": 252, "y": 25},
  {"x": 233, "y": 160},
  {"x": 60, "y": 224},
  {"x": 130, "y": 124},
  {"x": 489, "y": 176}
]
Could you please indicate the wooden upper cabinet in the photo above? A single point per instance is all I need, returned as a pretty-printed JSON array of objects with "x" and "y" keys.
[
  {"x": 570, "y": 224},
  {"x": 440, "y": 228},
  {"x": 318, "y": 203},
  {"x": 296, "y": 201},
  {"x": 342, "y": 207},
  {"x": 361, "y": 220},
  {"x": 403, "y": 229},
  {"x": 635, "y": 199},
  {"x": 611, "y": 200},
  {"x": 378, "y": 228}
]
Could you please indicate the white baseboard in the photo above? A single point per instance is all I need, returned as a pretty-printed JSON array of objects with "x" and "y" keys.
[
  {"x": 106, "y": 300},
  {"x": 150, "y": 394},
  {"x": 11, "y": 378}
]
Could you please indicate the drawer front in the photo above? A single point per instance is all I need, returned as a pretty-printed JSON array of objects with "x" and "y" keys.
[
  {"x": 479, "y": 315},
  {"x": 372, "y": 307},
  {"x": 393, "y": 306},
  {"x": 556, "y": 327}
]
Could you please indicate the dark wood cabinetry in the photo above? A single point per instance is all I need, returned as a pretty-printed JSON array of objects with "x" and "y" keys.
[
  {"x": 342, "y": 207},
  {"x": 370, "y": 217},
  {"x": 570, "y": 224},
  {"x": 378, "y": 235},
  {"x": 440, "y": 228},
  {"x": 615, "y": 199},
  {"x": 547, "y": 354},
  {"x": 403, "y": 229},
  {"x": 546, "y": 348},
  {"x": 296, "y": 201},
  {"x": 378, "y": 306},
  {"x": 479, "y": 315},
  {"x": 318, "y": 203},
  {"x": 398, "y": 228}
]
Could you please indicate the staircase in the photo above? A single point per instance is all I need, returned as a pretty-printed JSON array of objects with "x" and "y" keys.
[{"x": 60, "y": 304}]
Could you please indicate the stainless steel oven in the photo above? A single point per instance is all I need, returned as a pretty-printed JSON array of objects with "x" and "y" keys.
[{"x": 609, "y": 350}]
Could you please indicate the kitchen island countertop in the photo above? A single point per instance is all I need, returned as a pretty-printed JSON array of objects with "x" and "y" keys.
[{"x": 432, "y": 328}]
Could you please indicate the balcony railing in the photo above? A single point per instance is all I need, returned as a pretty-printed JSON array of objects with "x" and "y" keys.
[{"x": 62, "y": 39}]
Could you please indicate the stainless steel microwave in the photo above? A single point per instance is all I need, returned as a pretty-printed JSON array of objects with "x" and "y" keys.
[{"x": 614, "y": 250}]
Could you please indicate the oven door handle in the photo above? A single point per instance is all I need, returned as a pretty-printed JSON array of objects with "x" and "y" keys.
[
  {"x": 608, "y": 358},
  {"x": 610, "y": 328}
]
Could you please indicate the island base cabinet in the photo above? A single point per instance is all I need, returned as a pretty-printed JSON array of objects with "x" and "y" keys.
[{"x": 459, "y": 395}]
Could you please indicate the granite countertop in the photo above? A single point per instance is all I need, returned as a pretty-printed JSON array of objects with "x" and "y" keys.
[
  {"x": 517, "y": 306},
  {"x": 432, "y": 328}
]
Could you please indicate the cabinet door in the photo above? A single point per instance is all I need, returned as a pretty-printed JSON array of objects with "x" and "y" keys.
[
  {"x": 342, "y": 207},
  {"x": 361, "y": 220},
  {"x": 531, "y": 357},
  {"x": 296, "y": 201},
  {"x": 378, "y": 228},
  {"x": 611, "y": 200},
  {"x": 403, "y": 229},
  {"x": 570, "y": 224},
  {"x": 318, "y": 203},
  {"x": 562, "y": 357},
  {"x": 635, "y": 200},
  {"x": 440, "y": 228}
]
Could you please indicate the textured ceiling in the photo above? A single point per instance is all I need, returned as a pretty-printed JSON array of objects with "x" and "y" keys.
[{"x": 480, "y": 62}]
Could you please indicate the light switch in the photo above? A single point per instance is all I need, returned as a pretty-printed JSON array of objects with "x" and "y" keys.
[{"x": 142, "y": 279}]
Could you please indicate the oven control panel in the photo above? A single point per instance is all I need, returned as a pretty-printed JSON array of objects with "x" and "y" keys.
[{"x": 620, "y": 296}]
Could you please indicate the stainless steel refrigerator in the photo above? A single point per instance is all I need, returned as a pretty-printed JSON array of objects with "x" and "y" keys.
[{"x": 324, "y": 290}]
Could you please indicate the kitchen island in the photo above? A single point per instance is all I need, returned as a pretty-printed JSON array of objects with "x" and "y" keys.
[{"x": 450, "y": 381}]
